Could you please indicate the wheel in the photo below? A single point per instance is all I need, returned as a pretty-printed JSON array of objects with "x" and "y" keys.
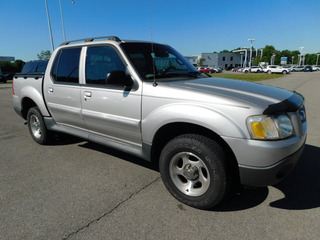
[
  {"x": 246, "y": 71},
  {"x": 269, "y": 72},
  {"x": 284, "y": 72},
  {"x": 36, "y": 125},
  {"x": 193, "y": 169}
]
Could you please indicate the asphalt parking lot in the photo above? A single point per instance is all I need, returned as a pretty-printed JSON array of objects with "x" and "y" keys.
[{"x": 74, "y": 189}]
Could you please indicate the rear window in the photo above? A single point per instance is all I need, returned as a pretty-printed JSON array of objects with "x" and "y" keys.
[{"x": 66, "y": 66}]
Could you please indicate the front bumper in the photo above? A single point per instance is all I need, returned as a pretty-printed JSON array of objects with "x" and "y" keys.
[
  {"x": 264, "y": 176},
  {"x": 264, "y": 163}
]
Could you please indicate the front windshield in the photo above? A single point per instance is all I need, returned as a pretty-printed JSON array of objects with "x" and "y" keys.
[{"x": 156, "y": 61}]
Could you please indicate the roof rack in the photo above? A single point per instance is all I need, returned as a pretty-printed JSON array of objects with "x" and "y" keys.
[{"x": 112, "y": 38}]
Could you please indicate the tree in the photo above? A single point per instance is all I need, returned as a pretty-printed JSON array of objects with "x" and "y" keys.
[
  {"x": 15, "y": 67},
  {"x": 295, "y": 56},
  {"x": 44, "y": 55},
  {"x": 200, "y": 61}
]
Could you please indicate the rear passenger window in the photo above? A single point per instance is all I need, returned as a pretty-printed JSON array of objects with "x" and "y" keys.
[
  {"x": 66, "y": 66},
  {"x": 101, "y": 61}
]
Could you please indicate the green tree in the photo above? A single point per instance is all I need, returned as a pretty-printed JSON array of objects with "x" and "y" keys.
[
  {"x": 44, "y": 55},
  {"x": 200, "y": 61},
  {"x": 15, "y": 67},
  {"x": 295, "y": 56}
]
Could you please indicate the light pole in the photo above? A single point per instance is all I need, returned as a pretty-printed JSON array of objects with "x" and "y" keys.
[
  {"x": 64, "y": 32},
  {"x": 292, "y": 60},
  {"x": 301, "y": 55},
  {"x": 317, "y": 59},
  {"x": 250, "y": 40},
  {"x": 245, "y": 58},
  {"x": 261, "y": 56},
  {"x": 49, "y": 26},
  {"x": 241, "y": 59}
]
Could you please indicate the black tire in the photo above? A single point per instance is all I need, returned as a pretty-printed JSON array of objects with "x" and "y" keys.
[
  {"x": 269, "y": 72},
  {"x": 196, "y": 161},
  {"x": 284, "y": 72},
  {"x": 37, "y": 127}
]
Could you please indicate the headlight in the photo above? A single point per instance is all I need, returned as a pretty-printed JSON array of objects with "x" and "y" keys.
[{"x": 270, "y": 127}]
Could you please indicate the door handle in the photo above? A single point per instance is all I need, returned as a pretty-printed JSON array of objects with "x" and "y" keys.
[
  {"x": 50, "y": 90},
  {"x": 87, "y": 95}
]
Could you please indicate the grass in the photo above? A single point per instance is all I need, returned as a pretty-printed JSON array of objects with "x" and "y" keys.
[{"x": 252, "y": 77}]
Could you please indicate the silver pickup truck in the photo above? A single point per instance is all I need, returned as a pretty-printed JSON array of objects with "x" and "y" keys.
[{"x": 207, "y": 134}]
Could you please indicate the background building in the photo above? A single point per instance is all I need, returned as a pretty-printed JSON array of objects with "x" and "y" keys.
[
  {"x": 224, "y": 60},
  {"x": 7, "y": 59}
]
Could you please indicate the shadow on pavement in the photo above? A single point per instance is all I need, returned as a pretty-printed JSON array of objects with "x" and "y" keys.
[
  {"x": 302, "y": 187},
  {"x": 121, "y": 155},
  {"x": 59, "y": 139}
]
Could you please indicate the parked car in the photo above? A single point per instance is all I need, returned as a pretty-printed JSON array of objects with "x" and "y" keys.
[
  {"x": 298, "y": 69},
  {"x": 315, "y": 68},
  {"x": 256, "y": 69},
  {"x": 245, "y": 70},
  {"x": 206, "y": 70},
  {"x": 276, "y": 69},
  {"x": 147, "y": 100},
  {"x": 217, "y": 70},
  {"x": 289, "y": 68},
  {"x": 307, "y": 69},
  {"x": 2, "y": 77}
]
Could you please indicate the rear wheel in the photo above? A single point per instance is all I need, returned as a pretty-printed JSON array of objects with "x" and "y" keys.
[
  {"x": 193, "y": 170},
  {"x": 36, "y": 125},
  {"x": 284, "y": 72}
]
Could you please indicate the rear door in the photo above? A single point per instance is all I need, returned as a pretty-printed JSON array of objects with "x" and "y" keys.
[
  {"x": 62, "y": 90},
  {"x": 110, "y": 110}
]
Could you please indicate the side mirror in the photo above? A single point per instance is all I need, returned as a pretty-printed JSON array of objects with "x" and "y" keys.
[{"x": 119, "y": 78}]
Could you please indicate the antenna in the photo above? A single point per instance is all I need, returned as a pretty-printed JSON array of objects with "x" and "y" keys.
[{"x": 153, "y": 63}]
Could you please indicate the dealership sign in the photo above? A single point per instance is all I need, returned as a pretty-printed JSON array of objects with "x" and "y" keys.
[{"x": 284, "y": 60}]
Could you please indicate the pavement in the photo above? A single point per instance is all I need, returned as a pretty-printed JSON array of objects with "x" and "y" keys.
[{"x": 74, "y": 189}]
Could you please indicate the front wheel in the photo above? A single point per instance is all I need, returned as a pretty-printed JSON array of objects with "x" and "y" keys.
[
  {"x": 36, "y": 125},
  {"x": 269, "y": 72},
  {"x": 193, "y": 169}
]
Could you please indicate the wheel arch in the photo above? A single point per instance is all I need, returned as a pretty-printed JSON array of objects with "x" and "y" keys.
[
  {"x": 172, "y": 130},
  {"x": 26, "y": 104}
]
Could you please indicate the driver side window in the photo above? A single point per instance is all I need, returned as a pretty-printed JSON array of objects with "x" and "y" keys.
[{"x": 100, "y": 62}]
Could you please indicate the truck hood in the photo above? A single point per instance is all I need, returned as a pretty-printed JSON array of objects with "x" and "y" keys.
[{"x": 239, "y": 93}]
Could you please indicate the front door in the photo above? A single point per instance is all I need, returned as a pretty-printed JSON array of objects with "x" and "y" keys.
[{"x": 109, "y": 110}]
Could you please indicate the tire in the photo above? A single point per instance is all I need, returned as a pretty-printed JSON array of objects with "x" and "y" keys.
[
  {"x": 246, "y": 71},
  {"x": 284, "y": 72},
  {"x": 193, "y": 169},
  {"x": 37, "y": 127},
  {"x": 269, "y": 72}
]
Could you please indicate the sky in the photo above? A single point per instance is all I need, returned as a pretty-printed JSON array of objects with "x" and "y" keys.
[{"x": 190, "y": 26}]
